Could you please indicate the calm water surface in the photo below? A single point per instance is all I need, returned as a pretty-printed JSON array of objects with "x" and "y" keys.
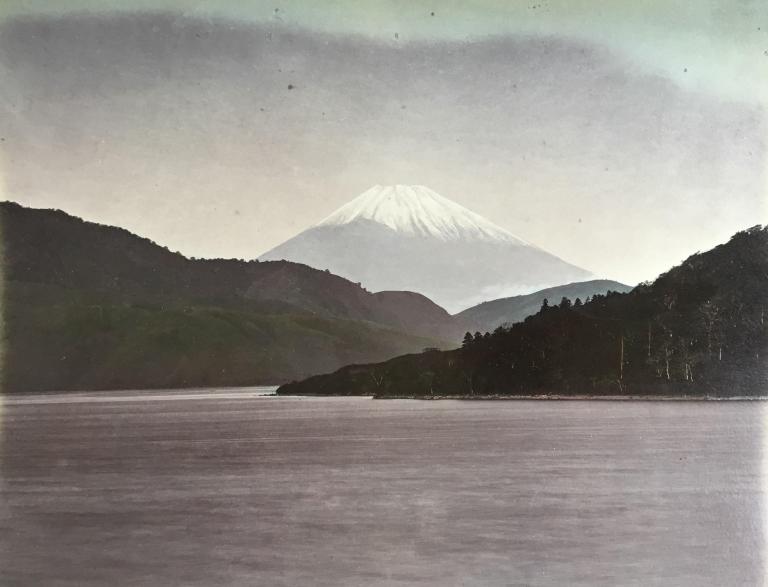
[{"x": 227, "y": 488}]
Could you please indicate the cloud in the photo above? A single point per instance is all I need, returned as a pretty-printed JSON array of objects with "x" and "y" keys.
[
  {"x": 223, "y": 139},
  {"x": 715, "y": 45}
]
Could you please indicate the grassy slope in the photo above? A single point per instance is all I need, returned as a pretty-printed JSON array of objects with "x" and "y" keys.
[
  {"x": 73, "y": 345},
  {"x": 88, "y": 306}
]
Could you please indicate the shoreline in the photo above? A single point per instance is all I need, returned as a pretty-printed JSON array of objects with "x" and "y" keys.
[{"x": 556, "y": 397}]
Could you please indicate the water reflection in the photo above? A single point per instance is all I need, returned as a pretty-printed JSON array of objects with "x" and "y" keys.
[{"x": 281, "y": 491}]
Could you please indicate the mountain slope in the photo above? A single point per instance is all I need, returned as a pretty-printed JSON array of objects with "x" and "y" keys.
[
  {"x": 78, "y": 342},
  {"x": 88, "y": 306},
  {"x": 698, "y": 330},
  {"x": 52, "y": 247},
  {"x": 489, "y": 315},
  {"x": 410, "y": 238}
]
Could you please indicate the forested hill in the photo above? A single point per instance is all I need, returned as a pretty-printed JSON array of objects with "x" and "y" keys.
[
  {"x": 489, "y": 315},
  {"x": 52, "y": 248},
  {"x": 87, "y": 306},
  {"x": 698, "y": 330}
]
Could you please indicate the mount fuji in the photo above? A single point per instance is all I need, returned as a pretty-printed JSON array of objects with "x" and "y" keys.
[{"x": 412, "y": 238}]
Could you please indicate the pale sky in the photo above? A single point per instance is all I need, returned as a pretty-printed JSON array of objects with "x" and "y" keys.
[{"x": 620, "y": 136}]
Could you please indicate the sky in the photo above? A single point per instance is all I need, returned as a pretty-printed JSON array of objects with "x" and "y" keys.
[{"x": 619, "y": 136}]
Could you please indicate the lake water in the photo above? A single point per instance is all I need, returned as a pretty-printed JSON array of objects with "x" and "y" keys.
[{"x": 229, "y": 488}]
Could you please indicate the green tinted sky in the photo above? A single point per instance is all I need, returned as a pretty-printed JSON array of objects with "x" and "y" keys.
[
  {"x": 576, "y": 125},
  {"x": 715, "y": 45}
]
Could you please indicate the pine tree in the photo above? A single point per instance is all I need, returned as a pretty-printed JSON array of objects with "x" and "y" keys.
[{"x": 467, "y": 340}]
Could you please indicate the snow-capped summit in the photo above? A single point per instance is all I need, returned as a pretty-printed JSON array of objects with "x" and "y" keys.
[
  {"x": 411, "y": 238},
  {"x": 417, "y": 210}
]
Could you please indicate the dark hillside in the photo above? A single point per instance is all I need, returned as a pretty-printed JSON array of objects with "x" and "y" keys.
[
  {"x": 698, "y": 330},
  {"x": 53, "y": 248},
  {"x": 88, "y": 306}
]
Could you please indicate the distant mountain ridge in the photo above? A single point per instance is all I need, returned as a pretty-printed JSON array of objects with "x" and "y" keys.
[
  {"x": 699, "y": 330},
  {"x": 411, "y": 238},
  {"x": 487, "y": 316}
]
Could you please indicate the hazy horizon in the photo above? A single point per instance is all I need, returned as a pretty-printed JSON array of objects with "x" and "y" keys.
[{"x": 224, "y": 131}]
